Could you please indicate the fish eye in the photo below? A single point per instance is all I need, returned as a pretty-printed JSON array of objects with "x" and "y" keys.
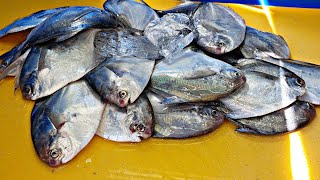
[
  {"x": 214, "y": 112},
  {"x": 237, "y": 74},
  {"x": 141, "y": 128},
  {"x": 221, "y": 44},
  {"x": 300, "y": 82},
  {"x": 123, "y": 94},
  {"x": 27, "y": 89},
  {"x": 133, "y": 127},
  {"x": 55, "y": 153},
  {"x": 4, "y": 63}
]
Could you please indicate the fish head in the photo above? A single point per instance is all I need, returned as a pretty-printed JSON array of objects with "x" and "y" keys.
[
  {"x": 216, "y": 43},
  {"x": 139, "y": 116},
  {"x": 296, "y": 83},
  {"x": 210, "y": 112},
  {"x": 118, "y": 96},
  {"x": 59, "y": 152},
  {"x": 30, "y": 88},
  {"x": 307, "y": 109},
  {"x": 235, "y": 76}
]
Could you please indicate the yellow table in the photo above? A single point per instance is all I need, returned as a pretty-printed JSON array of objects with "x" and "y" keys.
[{"x": 221, "y": 154}]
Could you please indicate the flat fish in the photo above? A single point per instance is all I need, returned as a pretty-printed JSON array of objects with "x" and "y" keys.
[
  {"x": 193, "y": 77},
  {"x": 121, "y": 80},
  {"x": 61, "y": 26},
  {"x": 130, "y": 124},
  {"x": 125, "y": 42},
  {"x": 58, "y": 64},
  {"x": 64, "y": 123},
  {"x": 268, "y": 88},
  {"x": 134, "y": 14},
  {"x": 310, "y": 73},
  {"x": 28, "y": 22},
  {"x": 220, "y": 29},
  {"x": 183, "y": 120},
  {"x": 285, "y": 120},
  {"x": 264, "y": 44},
  {"x": 171, "y": 33}
]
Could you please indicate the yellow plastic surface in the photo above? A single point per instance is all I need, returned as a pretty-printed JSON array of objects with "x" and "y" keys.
[{"x": 222, "y": 154}]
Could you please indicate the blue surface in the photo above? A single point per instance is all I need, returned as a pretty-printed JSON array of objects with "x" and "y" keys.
[{"x": 285, "y": 3}]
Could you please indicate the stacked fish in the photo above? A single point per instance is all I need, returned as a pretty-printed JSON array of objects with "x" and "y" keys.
[{"x": 130, "y": 72}]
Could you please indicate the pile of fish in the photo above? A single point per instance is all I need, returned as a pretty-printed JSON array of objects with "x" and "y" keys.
[{"x": 129, "y": 72}]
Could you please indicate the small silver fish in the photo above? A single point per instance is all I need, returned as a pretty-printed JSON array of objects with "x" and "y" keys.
[
  {"x": 121, "y": 80},
  {"x": 193, "y": 77},
  {"x": 285, "y": 120},
  {"x": 130, "y": 124},
  {"x": 171, "y": 33},
  {"x": 64, "y": 123},
  {"x": 263, "y": 44},
  {"x": 220, "y": 29},
  {"x": 183, "y": 120},
  {"x": 58, "y": 64},
  {"x": 268, "y": 88},
  {"x": 133, "y": 14}
]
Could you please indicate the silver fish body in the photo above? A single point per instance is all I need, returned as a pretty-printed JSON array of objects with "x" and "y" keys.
[
  {"x": 134, "y": 14},
  {"x": 193, "y": 77},
  {"x": 171, "y": 33},
  {"x": 130, "y": 124},
  {"x": 263, "y": 44},
  {"x": 59, "y": 64},
  {"x": 121, "y": 80},
  {"x": 183, "y": 120},
  {"x": 125, "y": 42},
  {"x": 220, "y": 29},
  {"x": 310, "y": 73},
  {"x": 268, "y": 88},
  {"x": 64, "y": 123},
  {"x": 285, "y": 120}
]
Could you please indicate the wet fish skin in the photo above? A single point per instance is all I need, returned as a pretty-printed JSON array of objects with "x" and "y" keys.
[
  {"x": 64, "y": 123},
  {"x": 61, "y": 26},
  {"x": 268, "y": 88},
  {"x": 285, "y": 120},
  {"x": 220, "y": 29},
  {"x": 133, "y": 123},
  {"x": 125, "y": 42},
  {"x": 264, "y": 44},
  {"x": 171, "y": 33},
  {"x": 134, "y": 14},
  {"x": 28, "y": 22},
  {"x": 60, "y": 64},
  {"x": 194, "y": 77},
  {"x": 121, "y": 80},
  {"x": 310, "y": 73},
  {"x": 183, "y": 120}
]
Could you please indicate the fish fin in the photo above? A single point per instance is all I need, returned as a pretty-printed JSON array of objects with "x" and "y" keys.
[
  {"x": 268, "y": 76},
  {"x": 200, "y": 74},
  {"x": 246, "y": 130},
  {"x": 173, "y": 100}
]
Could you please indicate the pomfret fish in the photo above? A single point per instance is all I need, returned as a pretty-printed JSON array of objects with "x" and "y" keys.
[
  {"x": 263, "y": 44},
  {"x": 268, "y": 88},
  {"x": 61, "y": 26},
  {"x": 121, "y": 80},
  {"x": 220, "y": 29},
  {"x": 193, "y": 77},
  {"x": 28, "y": 22},
  {"x": 134, "y": 14},
  {"x": 130, "y": 124},
  {"x": 285, "y": 120},
  {"x": 310, "y": 73},
  {"x": 183, "y": 120},
  {"x": 125, "y": 42},
  {"x": 64, "y": 123},
  {"x": 171, "y": 33},
  {"x": 58, "y": 64}
]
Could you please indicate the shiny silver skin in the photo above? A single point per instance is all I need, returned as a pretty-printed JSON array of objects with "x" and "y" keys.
[
  {"x": 310, "y": 73},
  {"x": 61, "y": 26},
  {"x": 193, "y": 76},
  {"x": 58, "y": 64},
  {"x": 133, "y": 14},
  {"x": 125, "y": 42},
  {"x": 171, "y": 33},
  {"x": 121, "y": 80},
  {"x": 130, "y": 124},
  {"x": 285, "y": 120},
  {"x": 268, "y": 88},
  {"x": 28, "y": 22},
  {"x": 220, "y": 29},
  {"x": 264, "y": 44},
  {"x": 183, "y": 120},
  {"x": 64, "y": 123}
]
